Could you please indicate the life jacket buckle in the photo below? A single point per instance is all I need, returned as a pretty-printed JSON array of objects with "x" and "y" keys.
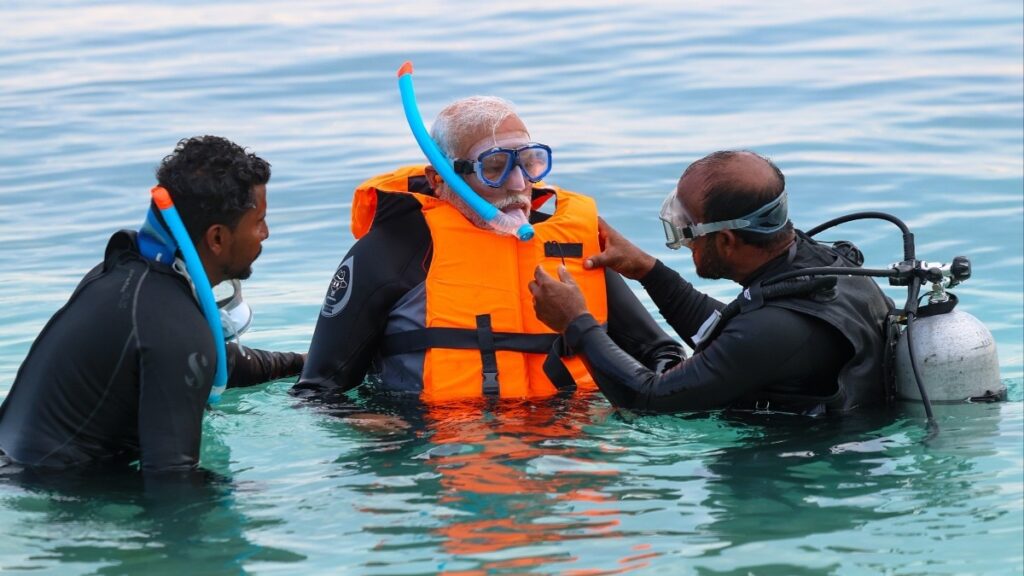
[{"x": 490, "y": 384}]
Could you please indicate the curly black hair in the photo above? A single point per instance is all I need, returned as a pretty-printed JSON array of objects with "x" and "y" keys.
[{"x": 210, "y": 180}]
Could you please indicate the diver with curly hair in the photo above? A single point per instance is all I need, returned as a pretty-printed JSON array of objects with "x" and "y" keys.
[{"x": 123, "y": 371}]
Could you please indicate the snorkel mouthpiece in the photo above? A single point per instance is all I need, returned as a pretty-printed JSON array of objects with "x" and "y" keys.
[
  {"x": 204, "y": 292},
  {"x": 496, "y": 219}
]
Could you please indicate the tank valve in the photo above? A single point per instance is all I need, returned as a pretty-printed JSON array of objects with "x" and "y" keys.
[{"x": 959, "y": 270}]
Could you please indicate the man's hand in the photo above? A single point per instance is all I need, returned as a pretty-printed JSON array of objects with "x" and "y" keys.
[
  {"x": 619, "y": 254},
  {"x": 556, "y": 303}
]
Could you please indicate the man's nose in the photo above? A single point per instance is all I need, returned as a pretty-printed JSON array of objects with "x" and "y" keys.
[{"x": 516, "y": 179}]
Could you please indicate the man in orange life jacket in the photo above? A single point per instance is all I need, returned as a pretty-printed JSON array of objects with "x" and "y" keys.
[
  {"x": 808, "y": 347},
  {"x": 432, "y": 302}
]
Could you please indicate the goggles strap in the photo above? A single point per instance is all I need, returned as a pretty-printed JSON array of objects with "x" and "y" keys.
[{"x": 695, "y": 230}]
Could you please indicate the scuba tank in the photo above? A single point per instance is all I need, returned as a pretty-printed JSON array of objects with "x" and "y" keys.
[
  {"x": 955, "y": 353},
  {"x": 933, "y": 350}
]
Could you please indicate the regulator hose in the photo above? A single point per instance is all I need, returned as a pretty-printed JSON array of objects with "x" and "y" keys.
[{"x": 907, "y": 269}]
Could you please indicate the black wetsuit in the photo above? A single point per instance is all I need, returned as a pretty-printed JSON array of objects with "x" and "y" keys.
[
  {"x": 791, "y": 355},
  {"x": 391, "y": 262},
  {"x": 123, "y": 371}
]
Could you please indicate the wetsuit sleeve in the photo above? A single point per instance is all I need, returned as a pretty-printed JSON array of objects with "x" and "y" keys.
[
  {"x": 683, "y": 306},
  {"x": 176, "y": 360},
  {"x": 765, "y": 346},
  {"x": 250, "y": 366},
  {"x": 380, "y": 268},
  {"x": 633, "y": 329}
]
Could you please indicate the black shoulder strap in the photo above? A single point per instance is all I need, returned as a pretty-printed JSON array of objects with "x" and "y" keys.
[{"x": 755, "y": 297}]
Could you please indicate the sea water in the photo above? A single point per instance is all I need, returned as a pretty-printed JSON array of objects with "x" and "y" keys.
[{"x": 913, "y": 108}]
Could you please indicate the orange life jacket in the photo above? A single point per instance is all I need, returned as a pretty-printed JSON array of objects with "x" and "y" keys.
[{"x": 481, "y": 334}]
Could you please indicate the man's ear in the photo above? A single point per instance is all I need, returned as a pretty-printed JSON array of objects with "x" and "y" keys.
[
  {"x": 216, "y": 239},
  {"x": 728, "y": 242},
  {"x": 433, "y": 177}
]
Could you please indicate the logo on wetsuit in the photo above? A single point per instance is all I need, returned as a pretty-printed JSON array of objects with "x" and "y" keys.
[
  {"x": 338, "y": 292},
  {"x": 196, "y": 363}
]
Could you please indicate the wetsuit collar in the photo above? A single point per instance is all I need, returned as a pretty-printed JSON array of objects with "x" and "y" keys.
[
  {"x": 155, "y": 241},
  {"x": 782, "y": 260},
  {"x": 157, "y": 245}
]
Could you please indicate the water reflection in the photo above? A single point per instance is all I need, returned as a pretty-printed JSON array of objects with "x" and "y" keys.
[
  {"x": 112, "y": 522},
  {"x": 508, "y": 485},
  {"x": 804, "y": 487}
]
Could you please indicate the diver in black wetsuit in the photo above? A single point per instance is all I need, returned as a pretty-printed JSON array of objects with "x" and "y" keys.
[
  {"x": 123, "y": 371},
  {"x": 814, "y": 350}
]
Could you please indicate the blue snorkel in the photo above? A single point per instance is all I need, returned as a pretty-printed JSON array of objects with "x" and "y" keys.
[
  {"x": 495, "y": 218},
  {"x": 204, "y": 292}
]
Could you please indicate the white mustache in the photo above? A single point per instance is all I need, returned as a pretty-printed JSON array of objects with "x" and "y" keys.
[{"x": 518, "y": 201}]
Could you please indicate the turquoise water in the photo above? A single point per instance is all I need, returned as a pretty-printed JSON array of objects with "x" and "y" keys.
[{"x": 913, "y": 108}]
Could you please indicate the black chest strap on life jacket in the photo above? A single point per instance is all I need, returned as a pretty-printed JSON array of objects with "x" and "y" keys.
[
  {"x": 756, "y": 296},
  {"x": 488, "y": 358},
  {"x": 488, "y": 342}
]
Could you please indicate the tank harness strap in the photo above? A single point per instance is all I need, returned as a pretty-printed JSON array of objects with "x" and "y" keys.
[
  {"x": 755, "y": 297},
  {"x": 485, "y": 341},
  {"x": 936, "y": 308}
]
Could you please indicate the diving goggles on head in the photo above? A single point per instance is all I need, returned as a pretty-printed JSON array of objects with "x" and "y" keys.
[
  {"x": 235, "y": 314},
  {"x": 494, "y": 166},
  {"x": 680, "y": 230}
]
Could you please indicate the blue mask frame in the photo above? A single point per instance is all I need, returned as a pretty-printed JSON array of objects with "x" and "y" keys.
[{"x": 513, "y": 159}]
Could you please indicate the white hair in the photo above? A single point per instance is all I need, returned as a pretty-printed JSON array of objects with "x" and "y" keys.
[{"x": 465, "y": 116}]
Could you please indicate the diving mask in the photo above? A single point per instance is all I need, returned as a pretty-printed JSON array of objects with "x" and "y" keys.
[
  {"x": 680, "y": 230},
  {"x": 235, "y": 314},
  {"x": 494, "y": 166}
]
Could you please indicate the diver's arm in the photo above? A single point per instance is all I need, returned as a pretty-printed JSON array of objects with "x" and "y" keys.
[
  {"x": 683, "y": 306},
  {"x": 633, "y": 329},
  {"x": 382, "y": 267},
  {"x": 250, "y": 366},
  {"x": 754, "y": 349},
  {"x": 344, "y": 341}
]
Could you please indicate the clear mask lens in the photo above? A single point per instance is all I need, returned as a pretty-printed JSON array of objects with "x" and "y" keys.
[
  {"x": 235, "y": 314},
  {"x": 495, "y": 166},
  {"x": 672, "y": 239},
  {"x": 535, "y": 161},
  {"x": 674, "y": 221}
]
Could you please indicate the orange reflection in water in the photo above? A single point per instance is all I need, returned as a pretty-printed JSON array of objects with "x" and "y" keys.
[{"x": 523, "y": 481}]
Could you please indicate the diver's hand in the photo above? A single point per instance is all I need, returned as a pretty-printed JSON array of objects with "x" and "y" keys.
[
  {"x": 619, "y": 254},
  {"x": 556, "y": 303}
]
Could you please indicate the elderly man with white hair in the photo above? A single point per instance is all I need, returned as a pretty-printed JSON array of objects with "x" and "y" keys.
[{"x": 432, "y": 301}]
